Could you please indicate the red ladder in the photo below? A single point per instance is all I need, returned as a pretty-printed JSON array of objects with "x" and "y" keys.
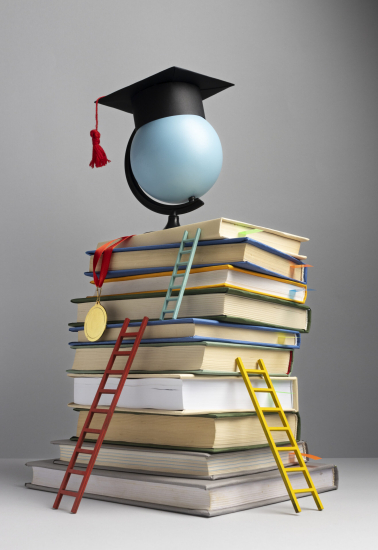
[{"x": 94, "y": 410}]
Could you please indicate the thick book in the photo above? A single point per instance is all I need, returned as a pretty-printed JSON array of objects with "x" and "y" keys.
[
  {"x": 208, "y": 432},
  {"x": 244, "y": 253},
  {"x": 191, "y": 357},
  {"x": 192, "y": 464},
  {"x": 193, "y": 394},
  {"x": 226, "y": 276},
  {"x": 220, "y": 228},
  {"x": 199, "y": 497},
  {"x": 222, "y": 304},
  {"x": 199, "y": 330}
]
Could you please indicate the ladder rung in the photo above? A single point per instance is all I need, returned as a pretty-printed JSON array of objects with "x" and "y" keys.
[
  {"x": 296, "y": 469},
  {"x": 121, "y": 353},
  {"x": 68, "y": 493},
  {"x": 182, "y": 263},
  {"x": 271, "y": 409},
  {"x": 127, "y": 334},
  {"x": 279, "y": 429},
  {"x": 168, "y": 311},
  {"x": 281, "y": 449},
  {"x": 99, "y": 411},
  {"x": 308, "y": 490},
  {"x": 172, "y": 299},
  {"x": 262, "y": 389},
  {"x": 255, "y": 371},
  {"x": 179, "y": 275},
  {"x": 186, "y": 251},
  {"x": 76, "y": 472},
  {"x": 176, "y": 288},
  {"x": 91, "y": 431},
  {"x": 108, "y": 391},
  {"x": 85, "y": 451},
  {"x": 115, "y": 371}
]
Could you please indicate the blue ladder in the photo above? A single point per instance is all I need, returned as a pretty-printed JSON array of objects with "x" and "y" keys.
[{"x": 168, "y": 298}]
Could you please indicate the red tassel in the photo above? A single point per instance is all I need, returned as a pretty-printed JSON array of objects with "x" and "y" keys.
[{"x": 99, "y": 157}]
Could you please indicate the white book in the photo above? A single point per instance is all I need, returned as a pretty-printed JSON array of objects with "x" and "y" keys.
[{"x": 195, "y": 394}]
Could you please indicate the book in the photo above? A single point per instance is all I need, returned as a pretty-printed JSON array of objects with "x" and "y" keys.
[
  {"x": 220, "y": 228},
  {"x": 208, "y": 432},
  {"x": 199, "y": 330},
  {"x": 245, "y": 252},
  {"x": 193, "y": 394},
  {"x": 212, "y": 357},
  {"x": 222, "y": 304},
  {"x": 199, "y": 497},
  {"x": 179, "y": 463},
  {"x": 214, "y": 276}
]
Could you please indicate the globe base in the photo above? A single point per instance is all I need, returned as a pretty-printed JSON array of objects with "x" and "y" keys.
[{"x": 173, "y": 221}]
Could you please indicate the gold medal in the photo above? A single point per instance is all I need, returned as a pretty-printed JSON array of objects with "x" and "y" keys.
[{"x": 95, "y": 321}]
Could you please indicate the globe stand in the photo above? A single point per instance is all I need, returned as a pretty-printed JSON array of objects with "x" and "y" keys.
[
  {"x": 173, "y": 221},
  {"x": 172, "y": 210}
]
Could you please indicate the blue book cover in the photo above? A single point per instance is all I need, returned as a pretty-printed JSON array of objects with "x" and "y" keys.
[{"x": 197, "y": 338}]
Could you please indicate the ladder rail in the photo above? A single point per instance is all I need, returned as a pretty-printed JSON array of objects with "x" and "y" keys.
[
  {"x": 179, "y": 262},
  {"x": 95, "y": 410},
  {"x": 285, "y": 425}
]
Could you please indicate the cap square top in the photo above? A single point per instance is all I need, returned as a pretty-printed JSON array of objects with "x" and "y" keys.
[{"x": 172, "y": 92}]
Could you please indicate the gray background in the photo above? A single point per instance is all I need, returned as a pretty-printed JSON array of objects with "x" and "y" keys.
[{"x": 299, "y": 135}]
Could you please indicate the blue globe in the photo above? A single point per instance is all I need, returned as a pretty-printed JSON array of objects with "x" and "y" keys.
[{"x": 176, "y": 157}]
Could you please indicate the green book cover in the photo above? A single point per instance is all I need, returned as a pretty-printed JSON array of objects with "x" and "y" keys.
[
  {"x": 203, "y": 450},
  {"x": 217, "y": 290}
]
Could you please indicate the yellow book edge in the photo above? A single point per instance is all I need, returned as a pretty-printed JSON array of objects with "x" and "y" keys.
[{"x": 206, "y": 269}]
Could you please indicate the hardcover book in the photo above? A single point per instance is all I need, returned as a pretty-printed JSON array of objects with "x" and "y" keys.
[
  {"x": 212, "y": 357},
  {"x": 194, "y": 394},
  {"x": 222, "y": 304},
  {"x": 199, "y": 497},
  {"x": 191, "y": 464},
  {"x": 208, "y": 432},
  {"x": 209, "y": 277},
  {"x": 199, "y": 330},
  {"x": 244, "y": 253},
  {"x": 221, "y": 228}
]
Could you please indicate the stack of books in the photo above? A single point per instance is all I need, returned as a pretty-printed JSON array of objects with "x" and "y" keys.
[{"x": 184, "y": 436}]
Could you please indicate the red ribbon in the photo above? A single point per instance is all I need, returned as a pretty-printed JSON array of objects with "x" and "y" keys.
[{"x": 107, "y": 251}]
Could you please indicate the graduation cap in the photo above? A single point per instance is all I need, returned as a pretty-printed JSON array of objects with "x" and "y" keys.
[
  {"x": 168, "y": 93},
  {"x": 172, "y": 92}
]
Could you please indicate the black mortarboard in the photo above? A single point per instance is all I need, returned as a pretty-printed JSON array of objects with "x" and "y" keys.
[{"x": 171, "y": 92}]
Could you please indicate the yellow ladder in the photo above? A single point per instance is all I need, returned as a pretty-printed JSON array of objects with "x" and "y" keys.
[{"x": 284, "y": 428}]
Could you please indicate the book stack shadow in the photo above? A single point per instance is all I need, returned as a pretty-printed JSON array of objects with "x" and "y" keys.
[{"x": 184, "y": 436}]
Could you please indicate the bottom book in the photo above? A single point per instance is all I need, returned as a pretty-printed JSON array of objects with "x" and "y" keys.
[{"x": 206, "y": 498}]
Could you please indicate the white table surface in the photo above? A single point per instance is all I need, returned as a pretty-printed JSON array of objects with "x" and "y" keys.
[{"x": 348, "y": 520}]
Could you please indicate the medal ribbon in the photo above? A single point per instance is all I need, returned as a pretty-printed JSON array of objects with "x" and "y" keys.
[{"x": 106, "y": 250}]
